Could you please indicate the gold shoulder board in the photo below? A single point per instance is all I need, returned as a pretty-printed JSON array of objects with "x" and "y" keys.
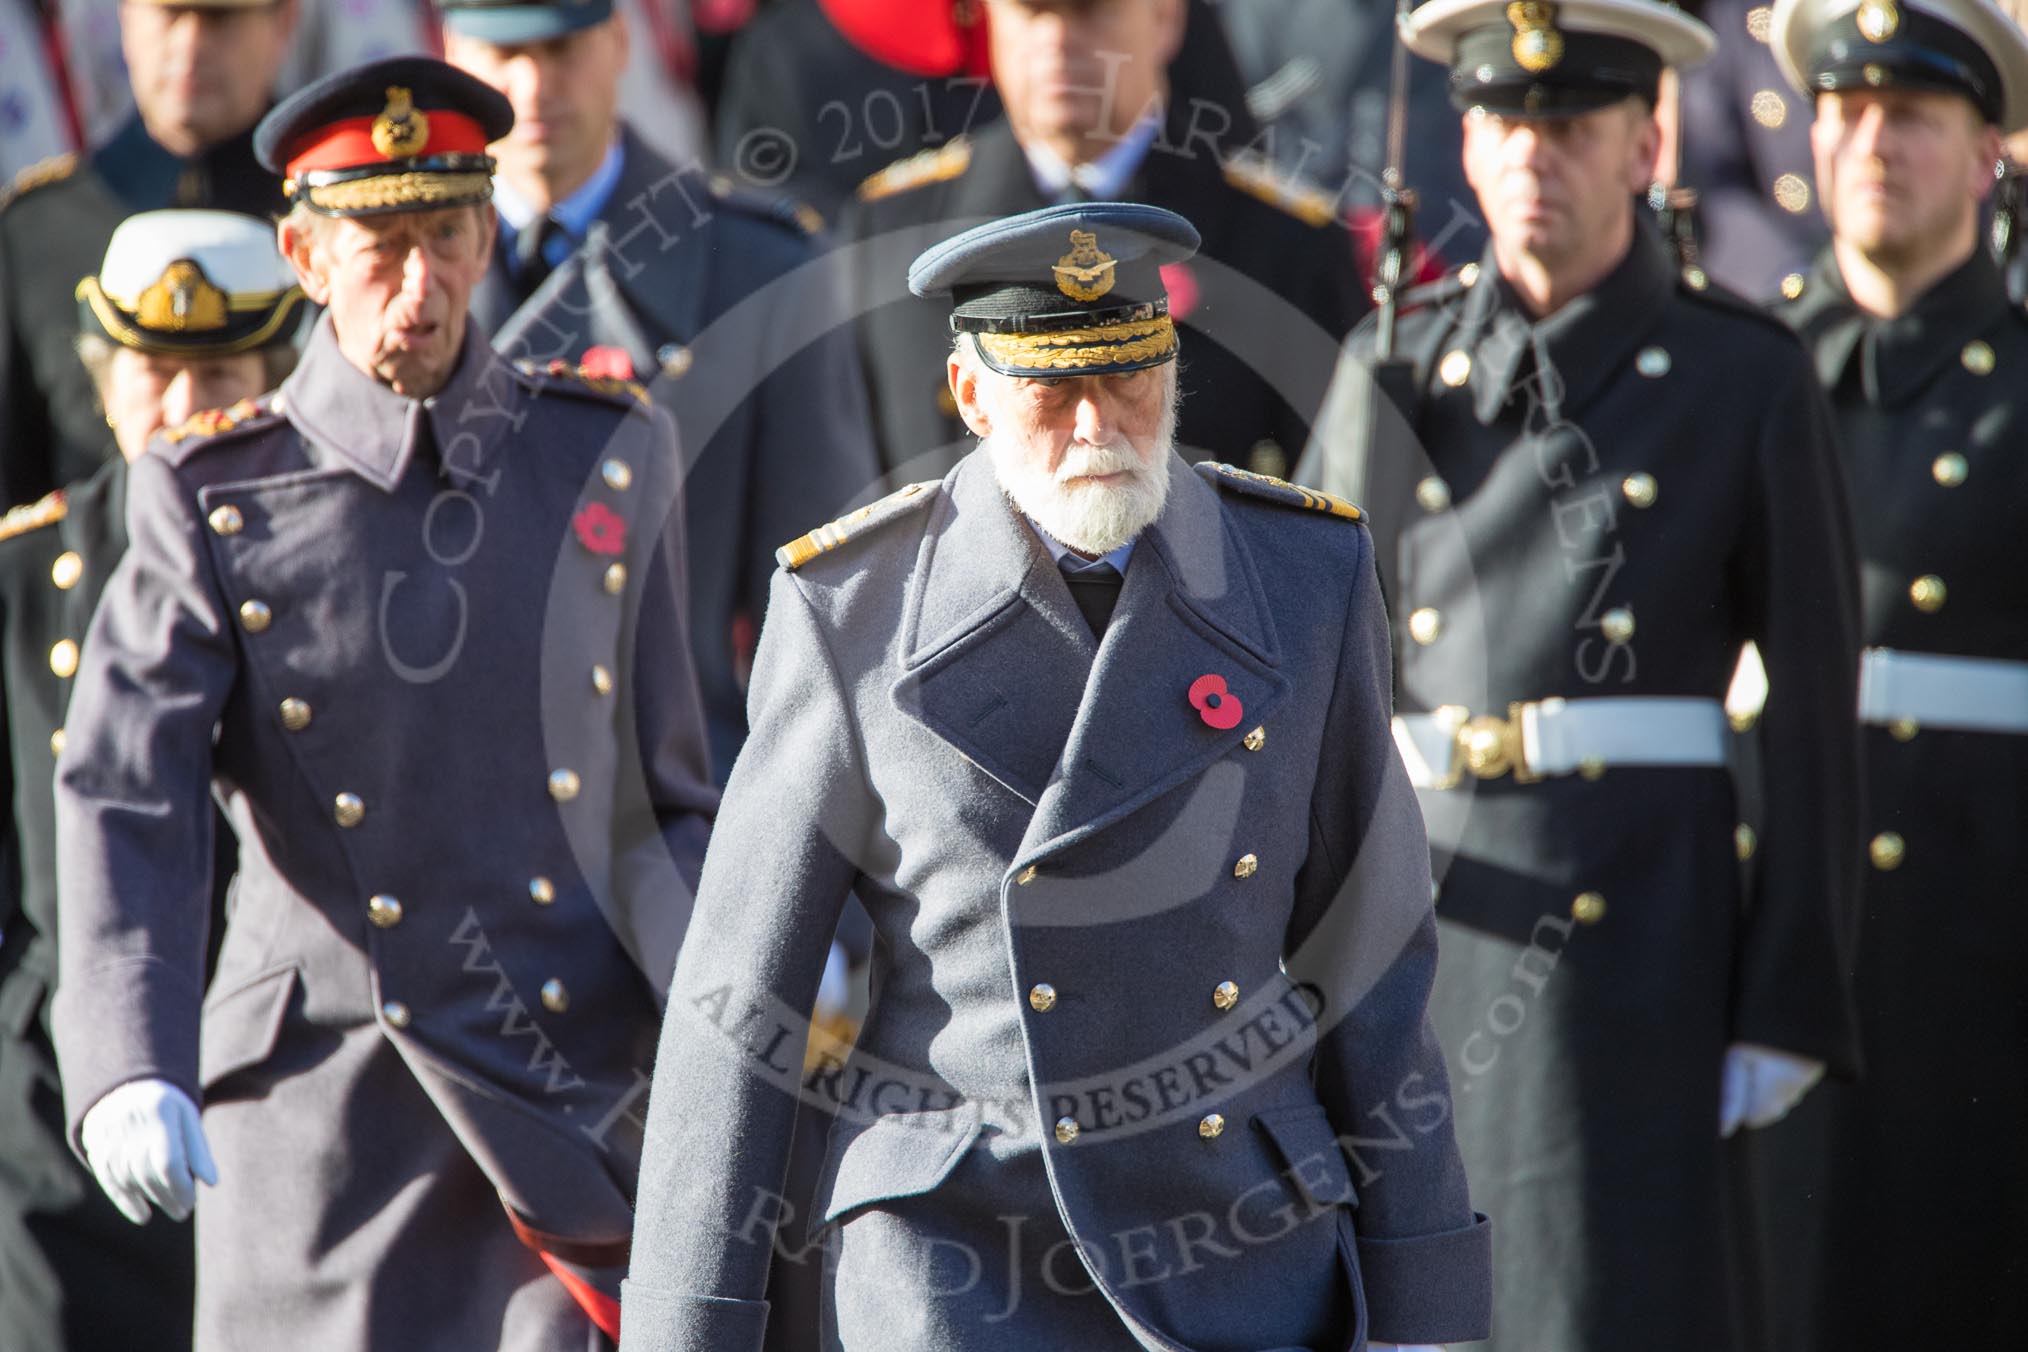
[
  {"x": 851, "y": 526},
  {"x": 929, "y": 166},
  {"x": 1279, "y": 490},
  {"x": 45, "y": 511}
]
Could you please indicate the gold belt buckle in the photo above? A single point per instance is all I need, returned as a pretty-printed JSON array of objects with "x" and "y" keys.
[{"x": 1486, "y": 746}]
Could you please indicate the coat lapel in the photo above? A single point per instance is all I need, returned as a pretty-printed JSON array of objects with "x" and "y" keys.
[
  {"x": 1191, "y": 606},
  {"x": 995, "y": 652}
]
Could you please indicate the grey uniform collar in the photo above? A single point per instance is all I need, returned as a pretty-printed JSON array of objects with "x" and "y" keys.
[{"x": 365, "y": 423}]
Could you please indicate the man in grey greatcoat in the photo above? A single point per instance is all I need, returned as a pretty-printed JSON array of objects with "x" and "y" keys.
[
  {"x": 415, "y": 619},
  {"x": 1100, "y": 741}
]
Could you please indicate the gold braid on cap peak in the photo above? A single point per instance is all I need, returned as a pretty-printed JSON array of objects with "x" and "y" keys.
[
  {"x": 1080, "y": 349},
  {"x": 402, "y": 190}
]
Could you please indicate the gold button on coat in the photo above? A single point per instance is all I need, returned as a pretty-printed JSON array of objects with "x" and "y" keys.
[
  {"x": 56, "y": 741},
  {"x": 1792, "y": 194},
  {"x": 227, "y": 520},
  {"x": 1254, "y": 740},
  {"x": 1456, "y": 367},
  {"x": 1903, "y": 729},
  {"x": 1433, "y": 494},
  {"x": 1468, "y": 275},
  {"x": 555, "y": 998},
  {"x": 1617, "y": 624},
  {"x": 255, "y": 615},
  {"x": 1640, "y": 490},
  {"x": 1977, "y": 357},
  {"x": 1211, "y": 1127},
  {"x": 349, "y": 809},
  {"x": 1928, "y": 593},
  {"x": 1887, "y": 850},
  {"x": 1425, "y": 625},
  {"x": 1225, "y": 994},
  {"x": 1066, "y": 1129},
  {"x": 384, "y": 911},
  {"x": 615, "y": 579},
  {"x": 1792, "y": 285},
  {"x": 1245, "y": 867},
  {"x": 396, "y": 1014},
  {"x": 1950, "y": 469},
  {"x": 676, "y": 361},
  {"x": 295, "y": 714},
  {"x": 563, "y": 785},
  {"x": 1042, "y": 997},
  {"x": 1588, "y": 909},
  {"x": 1653, "y": 362},
  {"x": 1769, "y": 109},
  {"x": 63, "y": 658},
  {"x": 602, "y": 680},
  {"x": 67, "y": 569},
  {"x": 619, "y": 476},
  {"x": 1025, "y": 876},
  {"x": 541, "y": 891},
  {"x": 1744, "y": 841}
]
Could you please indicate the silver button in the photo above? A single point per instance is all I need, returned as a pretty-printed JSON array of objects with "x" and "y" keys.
[{"x": 396, "y": 1014}]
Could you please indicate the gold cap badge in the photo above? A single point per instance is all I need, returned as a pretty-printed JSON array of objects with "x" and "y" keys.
[
  {"x": 182, "y": 301},
  {"x": 401, "y": 129},
  {"x": 1878, "y": 20},
  {"x": 1086, "y": 272},
  {"x": 1537, "y": 45}
]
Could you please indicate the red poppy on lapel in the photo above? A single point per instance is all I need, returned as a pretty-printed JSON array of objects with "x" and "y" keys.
[
  {"x": 1215, "y": 704},
  {"x": 611, "y": 363},
  {"x": 601, "y": 530}
]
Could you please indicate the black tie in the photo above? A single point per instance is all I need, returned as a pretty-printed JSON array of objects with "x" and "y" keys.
[
  {"x": 1095, "y": 586},
  {"x": 531, "y": 254}
]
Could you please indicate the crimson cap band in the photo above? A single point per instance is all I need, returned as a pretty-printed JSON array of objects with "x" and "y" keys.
[
  {"x": 405, "y": 134},
  {"x": 1064, "y": 291},
  {"x": 191, "y": 284}
]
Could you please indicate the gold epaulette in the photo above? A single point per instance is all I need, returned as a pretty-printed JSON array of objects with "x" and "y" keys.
[
  {"x": 851, "y": 526},
  {"x": 929, "y": 166},
  {"x": 1278, "y": 490},
  {"x": 1288, "y": 193},
  {"x": 577, "y": 375},
  {"x": 45, "y": 511},
  {"x": 210, "y": 422},
  {"x": 40, "y": 174}
]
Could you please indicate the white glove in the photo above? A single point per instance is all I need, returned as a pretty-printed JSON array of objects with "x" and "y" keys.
[
  {"x": 1759, "y": 1085},
  {"x": 145, "y": 1143}
]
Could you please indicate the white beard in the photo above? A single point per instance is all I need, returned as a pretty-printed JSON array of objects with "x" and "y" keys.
[{"x": 1092, "y": 518}]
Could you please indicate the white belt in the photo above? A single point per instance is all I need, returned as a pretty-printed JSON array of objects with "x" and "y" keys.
[
  {"x": 1966, "y": 694},
  {"x": 1547, "y": 737}
]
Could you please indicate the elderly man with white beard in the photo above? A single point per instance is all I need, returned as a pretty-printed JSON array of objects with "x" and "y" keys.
[{"x": 1101, "y": 742}]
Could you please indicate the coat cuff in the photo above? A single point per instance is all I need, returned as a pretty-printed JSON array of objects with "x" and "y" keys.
[
  {"x": 1430, "y": 1288},
  {"x": 125, "y": 1021},
  {"x": 654, "y": 1320}
]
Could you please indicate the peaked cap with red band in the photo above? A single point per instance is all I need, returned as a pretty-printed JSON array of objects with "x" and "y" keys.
[{"x": 406, "y": 134}]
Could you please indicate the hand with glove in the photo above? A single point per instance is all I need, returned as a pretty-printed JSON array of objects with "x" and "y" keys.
[
  {"x": 145, "y": 1144},
  {"x": 1759, "y": 1085}
]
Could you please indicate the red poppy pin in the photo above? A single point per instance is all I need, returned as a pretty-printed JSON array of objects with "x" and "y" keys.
[
  {"x": 1215, "y": 704},
  {"x": 1181, "y": 284},
  {"x": 611, "y": 363},
  {"x": 602, "y": 531}
]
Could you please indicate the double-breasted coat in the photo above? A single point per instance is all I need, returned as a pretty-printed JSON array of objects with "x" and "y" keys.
[
  {"x": 1261, "y": 308},
  {"x": 1610, "y": 503},
  {"x": 1139, "y": 970},
  {"x": 429, "y": 654},
  {"x": 716, "y": 299},
  {"x": 1930, "y": 418},
  {"x": 62, "y": 1244}
]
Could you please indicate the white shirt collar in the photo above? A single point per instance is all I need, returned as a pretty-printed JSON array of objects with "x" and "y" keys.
[{"x": 1101, "y": 180}]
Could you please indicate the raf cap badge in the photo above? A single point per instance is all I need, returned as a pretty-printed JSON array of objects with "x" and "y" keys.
[{"x": 1086, "y": 272}]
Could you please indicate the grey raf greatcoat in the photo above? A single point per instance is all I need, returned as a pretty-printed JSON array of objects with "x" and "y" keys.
[{"x": 1146, "y": 1064}]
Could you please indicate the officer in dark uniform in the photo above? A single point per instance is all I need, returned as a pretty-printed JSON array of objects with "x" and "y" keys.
[
  {"x": 1101, "y": 742},
  {"x": 1608, "y": 476},
  {"x": 1745, "y": 138},
  {"x": 203, "y": 72},
  {"x": 699, "y": 288},
  {"x": 416, "y": 620},
  {"x": 191, "y": 310},
  {"x": 1263, "y": 306},
  {"x": 1911, "y": 1186}
]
